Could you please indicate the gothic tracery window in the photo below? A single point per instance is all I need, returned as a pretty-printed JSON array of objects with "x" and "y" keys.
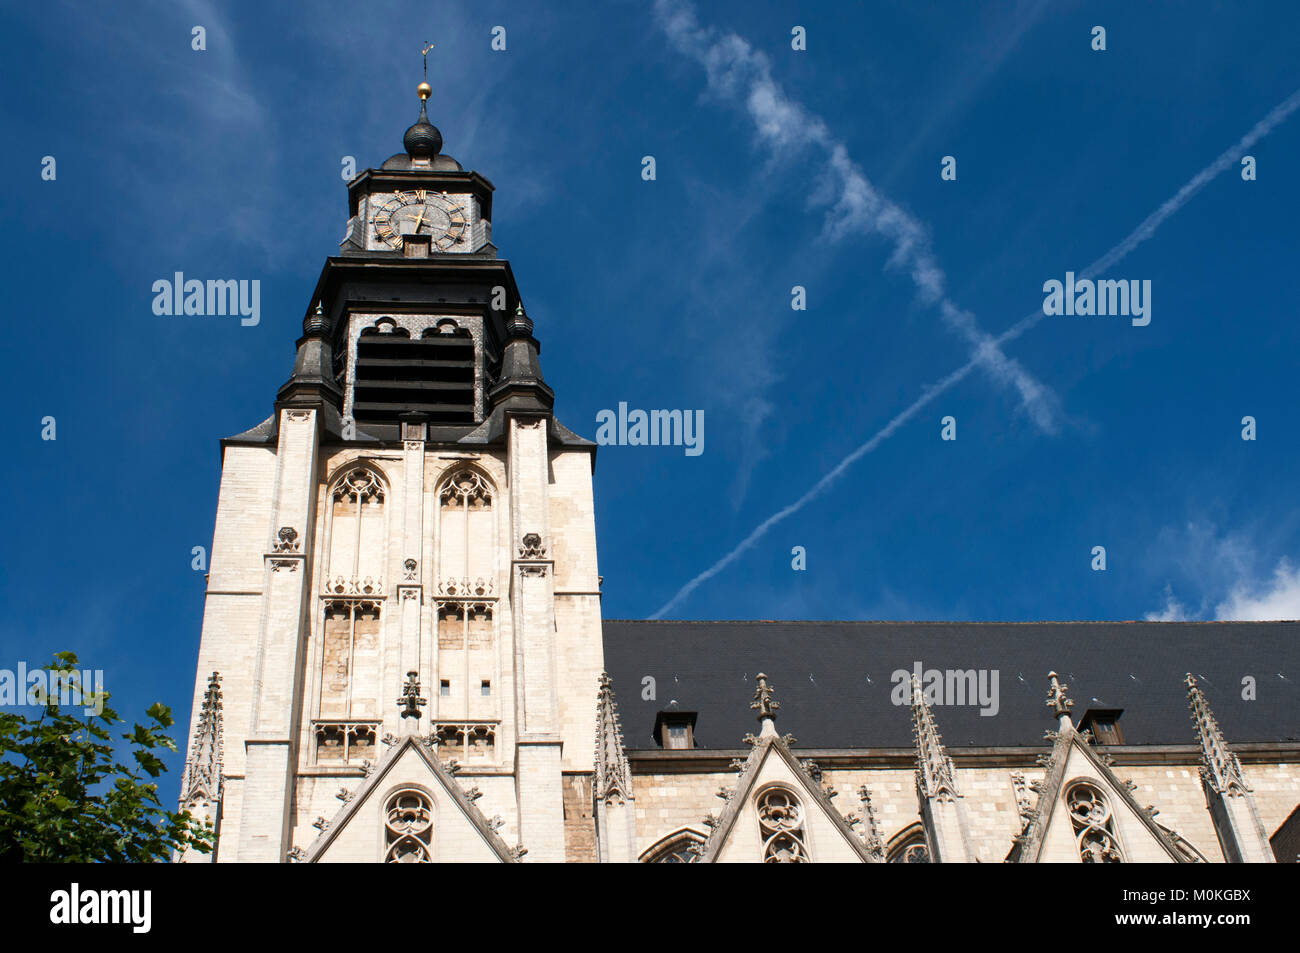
[
  {"x": 908, "y": 846},
  {"x": 1094, "y": 824},
  {"x": 781, "y": 825},
  {"x": 466, "y": 719},
  {"x": 466, "y": 485},
  {"x": 352, "y": 591},
  {"x": 679, "y": 848},
  {"x": 408, "y": 829},
  {"x": 357, "y": 533}
]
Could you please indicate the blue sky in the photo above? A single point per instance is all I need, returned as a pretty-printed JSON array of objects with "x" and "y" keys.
[{"x": 775, "y": 168}]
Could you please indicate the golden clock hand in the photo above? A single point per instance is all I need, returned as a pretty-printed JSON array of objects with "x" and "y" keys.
[{"x": 419, "y": 218}]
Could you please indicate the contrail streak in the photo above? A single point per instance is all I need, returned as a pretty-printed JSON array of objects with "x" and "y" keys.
[
  {"x": 740, "y": 73},
  {"x": 1120, "y": 251}
]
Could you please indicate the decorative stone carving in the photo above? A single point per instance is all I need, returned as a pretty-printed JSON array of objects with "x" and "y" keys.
[
  {"x": 871, "y": 831},
  {"x": 466, "y": 487},
  {"x": 613, "y": 775},
  {"x": 462, "y": 588},
  {"x": 344, "y": 741},
  {"x": 410, "y": 570},
  {"x": 532, "y": 547},
  {"x": 1056, "y": 697},
  {"x": 411, "y": 701},
  {"x": 203, "y": 777},
  {"x": 1024, "y": 806},
  {"x": 1093, "y": 823},
  {"x": 936, "y": 777},
  {"x": 1220, "y": 769},
  {"x": 369, "y": 586},
  {"x": 287, "y": 541},
  {"x": 763, "y": 702},
  {"x": 472, "y": 740},
  {"x": 780, "y": 823},
  {"x": 408, "y": 828},
  {"x": 359, "y": 485}
]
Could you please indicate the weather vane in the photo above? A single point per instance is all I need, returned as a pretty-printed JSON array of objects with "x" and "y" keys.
[{"x": 424, "y": 89}]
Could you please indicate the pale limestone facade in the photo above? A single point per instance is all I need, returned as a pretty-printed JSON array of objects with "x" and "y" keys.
[
  {"x": 545, "y": 622},
  {"x": 998, "y": 793}
]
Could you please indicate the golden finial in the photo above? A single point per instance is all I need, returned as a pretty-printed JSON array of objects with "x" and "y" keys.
[{"x": 424, "y": 89}]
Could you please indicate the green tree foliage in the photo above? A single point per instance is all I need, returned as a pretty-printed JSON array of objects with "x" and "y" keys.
[{"x": 66, "y": 797}]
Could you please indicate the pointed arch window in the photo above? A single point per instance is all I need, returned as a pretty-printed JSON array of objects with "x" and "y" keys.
[
  {"x": 356, "y": 551},
  {"x": 908, "y": 846},
  {"x": 352, "y": 590},
  {"x": 781, "y": 825},
  {"x": 465, "y": 525},
  {"x": 1093, "y": 823},
  {"x": 465, "y": 606},
  {"x": 408, "y": 828},
  {"x": 681, "y": 847}
]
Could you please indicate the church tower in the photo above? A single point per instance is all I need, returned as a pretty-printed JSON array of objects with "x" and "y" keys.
[{"x": 403, "y": 569}]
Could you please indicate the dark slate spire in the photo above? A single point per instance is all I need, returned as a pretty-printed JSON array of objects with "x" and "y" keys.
[
  {"x": 521, "y": 386},
  {"x": 313, "y": 372}
]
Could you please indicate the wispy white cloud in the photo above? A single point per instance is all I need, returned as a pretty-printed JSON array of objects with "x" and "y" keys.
[
  {"x": 1140, "y": 234},
  {"x": 1173, "y": 611},
  {"x": 1228, "y": 576},
  {"x": 1276, "y": 598},
  {"x": 1255, "y": 601},
  {"x": 738, "y": 72}
]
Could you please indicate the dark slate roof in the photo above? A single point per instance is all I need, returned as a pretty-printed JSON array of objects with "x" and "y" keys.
[{"x": 833, "y": 679}]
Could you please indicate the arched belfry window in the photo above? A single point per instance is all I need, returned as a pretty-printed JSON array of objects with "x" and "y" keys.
[
  {"x": 781, "y": 825},
  {"x": 408, "y": 828},
  {"x": 1094, "y": 824},
  {"x": 397, "y": 372}
]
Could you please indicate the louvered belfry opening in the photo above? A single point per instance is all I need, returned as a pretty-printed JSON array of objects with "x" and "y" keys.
[{"x": 432, "y": 375}]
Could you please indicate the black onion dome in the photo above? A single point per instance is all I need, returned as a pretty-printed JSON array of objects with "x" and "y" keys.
[{"x": 423, "y": 140}]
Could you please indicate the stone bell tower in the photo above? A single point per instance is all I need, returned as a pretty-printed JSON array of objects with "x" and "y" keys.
[{"x": 403, "y": 577}]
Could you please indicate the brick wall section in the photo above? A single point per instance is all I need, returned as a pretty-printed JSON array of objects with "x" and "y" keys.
[{"x": 579, "y": 825}]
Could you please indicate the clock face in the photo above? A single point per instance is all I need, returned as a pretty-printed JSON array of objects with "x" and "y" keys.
[{"x": 419, "y": 213}]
